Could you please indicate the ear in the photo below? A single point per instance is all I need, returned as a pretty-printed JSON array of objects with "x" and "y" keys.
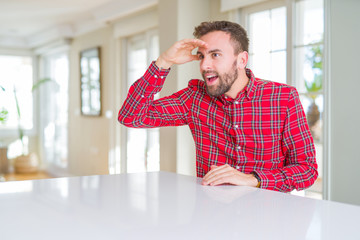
[{"x": 242, "y": 59}]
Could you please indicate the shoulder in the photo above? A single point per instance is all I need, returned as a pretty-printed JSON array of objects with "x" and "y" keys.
[
  {"x": 197, "y": 85},
  {"x": 272, "y": 87},
  {"x": 196, "y": 90}
]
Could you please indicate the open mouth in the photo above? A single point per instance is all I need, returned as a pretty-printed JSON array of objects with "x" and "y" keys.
[{"x": 211, "y": 78}]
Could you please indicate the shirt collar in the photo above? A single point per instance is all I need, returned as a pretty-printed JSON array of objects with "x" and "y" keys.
[{"x": 251, "y": 86}]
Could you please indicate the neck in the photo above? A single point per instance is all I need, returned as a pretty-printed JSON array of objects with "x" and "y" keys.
[{"x": 239, "y": 84}]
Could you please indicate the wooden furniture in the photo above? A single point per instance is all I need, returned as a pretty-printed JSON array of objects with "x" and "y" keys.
[
  {"x": 26, "y": 176},
  {"x": 162, "y": 205}
]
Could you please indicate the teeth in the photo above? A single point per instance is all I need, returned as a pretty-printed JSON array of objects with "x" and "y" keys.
[{"x": 211, "y": 76}]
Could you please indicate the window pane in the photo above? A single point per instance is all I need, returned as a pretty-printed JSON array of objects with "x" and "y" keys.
[
  {"x": 308, "y": 53},
  {"x": 54, "y": 111},
  {"x": 278, "y": 67},
  {"x": 260, "y": 65},
  {"x": 313, "y": 107},
  {"x": 309, "y": 22},
  {"x": 143, "y": 152},
  {"x": 17, "y": 77},
  {"x": 136, "y": 150},
  {"x": 267, "y": 32},
  {"x": 308, "y": 68},
  {"x": 278, "y": 28},
  {"x": 260, "y": 32}
]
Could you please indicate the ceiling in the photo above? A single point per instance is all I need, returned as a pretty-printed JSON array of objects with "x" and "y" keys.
[{"x": 24, "y": 22}]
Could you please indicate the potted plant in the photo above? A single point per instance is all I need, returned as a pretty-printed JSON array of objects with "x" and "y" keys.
[
  {"x": 25, "y": 163},
  {"x": 3, "y": 113},
  {"x": 3, "y": 148},
  {"x": 312, "y": 87}
]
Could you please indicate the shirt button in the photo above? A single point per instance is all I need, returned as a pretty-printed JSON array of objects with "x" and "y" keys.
[
  {"x": 142, "y": 96},
  {"x": 162, "y": 77},
  {"x": 238, "y": 147},
  {"x": 236, "y": 126},
  {"x": 236, "y": 102},
  {"x": 155, "y": 76},
  {"x": 237, "y": 167}
]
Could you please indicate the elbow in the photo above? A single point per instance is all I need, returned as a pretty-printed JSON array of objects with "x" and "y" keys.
[
  {"x": 309, "y": 179},
  {"x": 123, "y": 119}
]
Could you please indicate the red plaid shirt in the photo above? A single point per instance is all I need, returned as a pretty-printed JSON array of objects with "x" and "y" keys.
[{"x": 263, "y": 130}]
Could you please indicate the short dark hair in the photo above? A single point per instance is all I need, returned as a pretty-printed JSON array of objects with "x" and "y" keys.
[{"x": 237, "y": 33}]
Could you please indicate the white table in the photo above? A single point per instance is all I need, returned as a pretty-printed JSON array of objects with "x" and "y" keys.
[{"x": 162, "y": 205}]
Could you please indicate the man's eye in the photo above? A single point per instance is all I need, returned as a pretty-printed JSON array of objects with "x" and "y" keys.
[
  {"x": 201, "y": 57},
  {"x": 215, "y": 55}
]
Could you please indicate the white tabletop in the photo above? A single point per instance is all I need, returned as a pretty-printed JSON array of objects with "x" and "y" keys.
[{"x": 162, "y": 205}]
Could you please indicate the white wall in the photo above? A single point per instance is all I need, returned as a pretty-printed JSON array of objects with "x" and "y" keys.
[
  {"x": 89, "y": 136},
  {"x": 342, "y": 19}
]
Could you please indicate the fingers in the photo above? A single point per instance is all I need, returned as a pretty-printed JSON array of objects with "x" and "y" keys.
[
  {"x": 226, "y": 174},
  {"x": 180, "y": 52},
  {"x": 220, "y": 175},
  {"x": 194, "y": 43}
]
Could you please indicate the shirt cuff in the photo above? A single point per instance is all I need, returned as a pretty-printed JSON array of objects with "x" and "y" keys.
[
  {"x": 156, "y": 76},
  {"x": 267, "y": 180}
]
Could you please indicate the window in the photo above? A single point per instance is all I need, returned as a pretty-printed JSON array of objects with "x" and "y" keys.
[
  {"x": 16, "y": 84},
  {"x": 17, "y": 78},
  {"x": 54, "y": 111},
  {"x": 295, "y": 59},
  {"x": 142, "y": 147},
  {"x": 267, "y": 53},
  {"x": 308, "y": 73}
]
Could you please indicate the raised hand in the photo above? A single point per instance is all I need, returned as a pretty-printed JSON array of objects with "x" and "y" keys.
[{"x": 179, "y": 53}]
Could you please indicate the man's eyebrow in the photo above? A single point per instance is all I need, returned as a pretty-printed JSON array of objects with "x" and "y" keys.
[{"x": 210, "y": 51}]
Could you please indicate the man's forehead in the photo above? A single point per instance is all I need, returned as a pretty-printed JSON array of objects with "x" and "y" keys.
[{"x": 215, "y": 40}]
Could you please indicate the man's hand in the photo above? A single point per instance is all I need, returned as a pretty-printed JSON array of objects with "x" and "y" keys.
[
  {"x": 179, "y": 53},
  {"x": 226, "y": 174}
]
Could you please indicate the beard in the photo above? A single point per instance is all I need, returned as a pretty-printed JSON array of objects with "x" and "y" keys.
[{"x": 226, "y": 80}]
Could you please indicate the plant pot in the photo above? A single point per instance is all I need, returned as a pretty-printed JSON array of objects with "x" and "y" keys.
[
  {"x": 26, "y": 163},
  {"x": 4, "y": 162}
]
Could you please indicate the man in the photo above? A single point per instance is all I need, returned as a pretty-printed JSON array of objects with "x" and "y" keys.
[{"x": 247, "y": 131}]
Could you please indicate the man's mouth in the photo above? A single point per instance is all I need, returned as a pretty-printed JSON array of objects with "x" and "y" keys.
[{"x": 211, "y": 78}]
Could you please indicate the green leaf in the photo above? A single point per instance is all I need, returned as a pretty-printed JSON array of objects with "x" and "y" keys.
[
  {"x": 3, "y": 115},
  {"x": 39, "y": 83}
]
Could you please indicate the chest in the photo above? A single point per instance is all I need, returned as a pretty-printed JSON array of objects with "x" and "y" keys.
[{"x": 248, "y": 119}]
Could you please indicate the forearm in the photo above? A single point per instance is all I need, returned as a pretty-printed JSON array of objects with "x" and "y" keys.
[
  {"x": 288, "y": 178},
  {"x": 299, "y": 170},
  {"x": 135, "y": 108},
  {"x": 140, "y": 110}
]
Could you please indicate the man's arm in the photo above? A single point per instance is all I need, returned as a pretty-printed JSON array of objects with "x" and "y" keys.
[
  {"x": 140, "y": 109},
  {"x": 300, "y": 168}
]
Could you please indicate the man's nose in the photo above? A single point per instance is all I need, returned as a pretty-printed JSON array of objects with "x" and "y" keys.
[{"x": 205, "y": 64}]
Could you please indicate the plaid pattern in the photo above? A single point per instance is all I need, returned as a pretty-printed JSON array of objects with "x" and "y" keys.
[{"x": 263, "y": 130}]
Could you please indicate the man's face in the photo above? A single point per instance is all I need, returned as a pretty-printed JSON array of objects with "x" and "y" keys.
[{"x": 218, "y": 63}]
